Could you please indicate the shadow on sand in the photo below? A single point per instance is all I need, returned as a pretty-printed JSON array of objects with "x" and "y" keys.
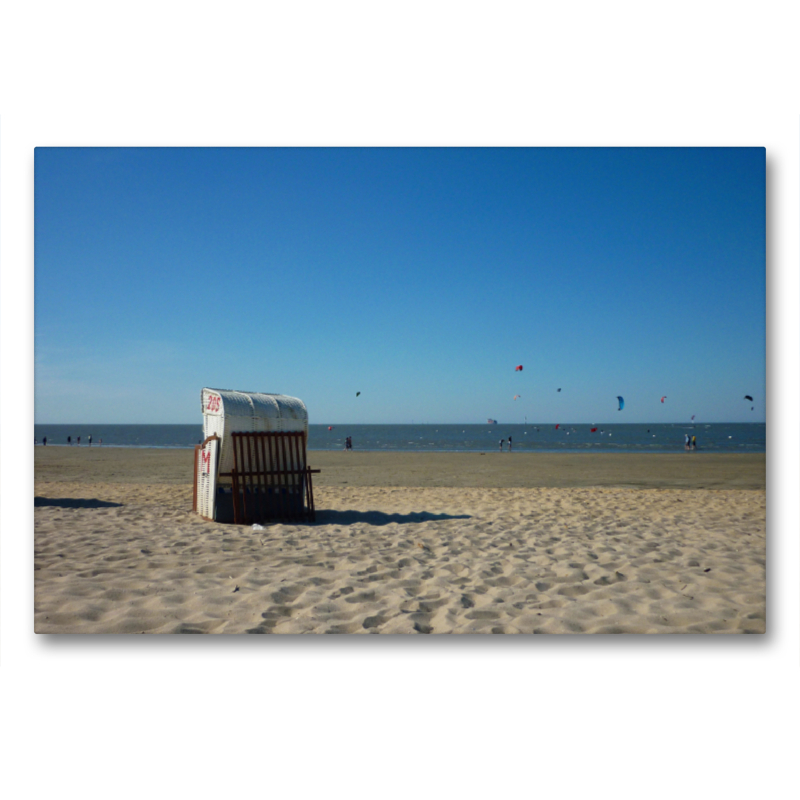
[
  {"x": 73, "y": 502},
  {"x": 378, "y": 517}
]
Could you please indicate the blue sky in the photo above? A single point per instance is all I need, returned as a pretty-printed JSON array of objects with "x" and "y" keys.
[{"x": 419, "y": 277}]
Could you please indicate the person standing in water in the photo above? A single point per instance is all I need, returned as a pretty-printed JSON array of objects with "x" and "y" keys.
[{"x": 509, "y": 444}]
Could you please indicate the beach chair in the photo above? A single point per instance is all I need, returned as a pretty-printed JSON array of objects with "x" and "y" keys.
[{"x": 252, "y": 466}]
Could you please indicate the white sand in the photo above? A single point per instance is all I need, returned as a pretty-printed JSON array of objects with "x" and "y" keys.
[{"x": 125, "y": 557}]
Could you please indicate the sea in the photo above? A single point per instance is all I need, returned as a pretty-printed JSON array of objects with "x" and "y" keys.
[{"x": 539, "y": 438}]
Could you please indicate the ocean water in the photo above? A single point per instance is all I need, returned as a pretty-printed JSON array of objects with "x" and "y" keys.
[{"x": 543, "y": 438}]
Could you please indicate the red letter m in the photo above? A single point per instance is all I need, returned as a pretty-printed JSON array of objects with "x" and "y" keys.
[{"x": 206, "y": 462}]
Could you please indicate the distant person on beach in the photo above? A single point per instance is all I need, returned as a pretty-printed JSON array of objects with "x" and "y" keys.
[
  {"x": 694, "y": 443},
  {"x": 686, "y": 442},
  {"x": 348, "y": 443},
  {"x": 509, "y": 444},
  {"x": 101, "y": 441},
  {"x": 79, "y": 440},
  {"x": 69, "y": 440},
  {"x": 44, "y": 441},
  {"x": 501, "y": 445},
  {"x": 90, "y": 440}
]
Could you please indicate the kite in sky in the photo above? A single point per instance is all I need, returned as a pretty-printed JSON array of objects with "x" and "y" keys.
[
  {"x": 747, "y": 397},
  {"x": 663, "y": 398},
  {"x": 358, "y": 393},
  {"x": 559, "y": 390},
  {"x": 621, "y": 403},
  {"x": 518, "y": 368},
  {"x": 517, "y": 395}
]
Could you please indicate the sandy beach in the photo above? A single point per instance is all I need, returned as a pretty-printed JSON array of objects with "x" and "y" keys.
[{"x": 408, "y": 543}]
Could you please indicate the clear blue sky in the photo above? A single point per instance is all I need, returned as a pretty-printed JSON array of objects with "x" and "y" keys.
[{"x": 419, "y": 277}]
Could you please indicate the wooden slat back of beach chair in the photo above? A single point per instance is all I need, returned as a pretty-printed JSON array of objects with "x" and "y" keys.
[{"x": 270, "y": 478}]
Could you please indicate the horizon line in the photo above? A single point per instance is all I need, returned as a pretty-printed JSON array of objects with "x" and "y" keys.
[{"x": 671, "y": 422}]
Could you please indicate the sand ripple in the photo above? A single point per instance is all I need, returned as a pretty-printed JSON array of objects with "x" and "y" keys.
[{"x": 133, "y": 558}]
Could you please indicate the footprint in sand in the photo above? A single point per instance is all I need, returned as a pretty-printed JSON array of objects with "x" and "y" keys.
[
  {"x": 486, "y": 614},
  {"x": 351, "y": 627},
  {"x": 618, "y": 577},
  {"x": 361, "y": 597},
  {"x": 430, "y": 606},
  {"x": 287, "y": 594},
  {"x": 574, "y": 590},
  {"x": 421, "y": 627}
]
